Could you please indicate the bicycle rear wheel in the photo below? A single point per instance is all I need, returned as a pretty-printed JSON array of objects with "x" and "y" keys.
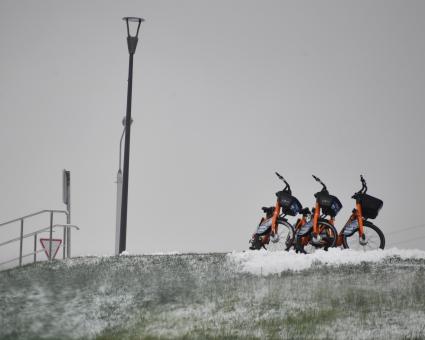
[
  {"x": 326, "y": 239},
  {"x": 374, "y": 238},
  {"x": 284, "y": 239}
]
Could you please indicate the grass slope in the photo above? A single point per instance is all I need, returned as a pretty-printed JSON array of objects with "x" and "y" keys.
[{"x": 208, "y": 296}]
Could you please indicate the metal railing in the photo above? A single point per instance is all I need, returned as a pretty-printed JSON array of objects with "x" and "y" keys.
[{"x": 66, "y": 246}]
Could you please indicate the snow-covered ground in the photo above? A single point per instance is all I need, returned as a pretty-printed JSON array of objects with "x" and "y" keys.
[
  {"x": 327, "y": 295},
  {"x": 263, "y": 262}
]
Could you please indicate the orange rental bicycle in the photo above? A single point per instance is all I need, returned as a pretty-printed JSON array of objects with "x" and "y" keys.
[
  {"x": 274, "y": 230},
  {"x": 319, "y": 231},
  {"x": 370, "y": 236}
]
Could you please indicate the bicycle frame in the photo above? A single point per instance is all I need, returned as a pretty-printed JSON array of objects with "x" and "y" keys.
[
  {"x": 301, "y": 222},
  {"x": 355, "y": 215},
  {"x": 298, "y": 225},
  {"x": 358, "y": 213},
  {"x": 276, "y": 215},
  {"x": 316, "y": 218}
]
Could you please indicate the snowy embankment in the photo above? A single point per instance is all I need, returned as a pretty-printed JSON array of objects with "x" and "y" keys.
[
  {"x": 263, "y": 262},
  {"x": 328, "y": 295}
]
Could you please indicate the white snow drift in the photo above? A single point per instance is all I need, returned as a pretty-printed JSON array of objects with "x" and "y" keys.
[{"x": 263, "y": 262}]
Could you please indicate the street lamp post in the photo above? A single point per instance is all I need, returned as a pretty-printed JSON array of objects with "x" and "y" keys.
[{"x": 132, "y": 44}]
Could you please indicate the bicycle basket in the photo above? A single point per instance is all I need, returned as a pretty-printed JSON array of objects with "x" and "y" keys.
[
  {"x": 330, "y": 205},
  {"x": 370, "y": 205},
  {"x": 289, "y": 204}
]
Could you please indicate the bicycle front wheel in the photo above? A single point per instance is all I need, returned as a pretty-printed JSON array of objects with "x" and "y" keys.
[
  {"x": 374, "y": 238},
  {"x": 284, "y": 239}
]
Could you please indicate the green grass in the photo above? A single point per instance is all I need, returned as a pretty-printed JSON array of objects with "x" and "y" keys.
[{"x": 206, "y": 297}]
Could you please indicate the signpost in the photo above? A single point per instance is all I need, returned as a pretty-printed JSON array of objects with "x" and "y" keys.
[{"x": 66, "y": 198}]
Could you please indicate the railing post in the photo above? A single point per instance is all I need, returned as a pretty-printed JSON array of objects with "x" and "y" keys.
[
  {"x": 51, "y": 234},
  {"x": 35, "y": 248},
  {"x": 21, "y": 242}
]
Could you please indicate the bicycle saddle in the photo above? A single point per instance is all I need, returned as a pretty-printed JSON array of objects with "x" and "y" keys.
[
  {"x": 268, "y": 210},
  {"x": 306, "y": 211}
]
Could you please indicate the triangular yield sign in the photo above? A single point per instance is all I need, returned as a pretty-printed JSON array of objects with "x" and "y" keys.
[{"x": 45, "y": 243}]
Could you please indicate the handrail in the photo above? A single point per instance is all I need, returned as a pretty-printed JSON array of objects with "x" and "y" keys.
[
  {"x": 35, "y": 233},
  {"x": 34, "y": 214},
  {"x": 66, "y": 226},
  {"x": 39, "y": 231},
  {"x": 66, "y": 233},
  {"x": 25, "y": 236}
]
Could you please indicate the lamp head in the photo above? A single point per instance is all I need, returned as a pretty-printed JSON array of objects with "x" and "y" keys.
[{"x": 135, "y": 20}]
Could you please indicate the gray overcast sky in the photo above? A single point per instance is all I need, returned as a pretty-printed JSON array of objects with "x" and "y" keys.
[{"x": 225, "y": 93}]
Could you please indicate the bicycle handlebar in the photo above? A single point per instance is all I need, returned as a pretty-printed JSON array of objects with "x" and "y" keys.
[
  {"x": 279, "y": 176},
  {"x": 287, "y": 186},
  {"x": 364, "y": 185},
  {"x": 317, "y": 179}
]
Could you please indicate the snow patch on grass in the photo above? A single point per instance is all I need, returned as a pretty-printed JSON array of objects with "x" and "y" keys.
[
  {"x": 263, "y": 262},
  {"x": 212, "y": 296}
]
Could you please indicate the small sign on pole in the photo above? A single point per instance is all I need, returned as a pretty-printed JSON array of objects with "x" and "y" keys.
[
  {"x": 45, "y": 243},
  {"x": 66, "y": 182}
]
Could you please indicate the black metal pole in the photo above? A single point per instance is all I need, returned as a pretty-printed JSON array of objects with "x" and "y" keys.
[
  {"x": 132, "y": 43},
  {"x": 124, "y": 202}
]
